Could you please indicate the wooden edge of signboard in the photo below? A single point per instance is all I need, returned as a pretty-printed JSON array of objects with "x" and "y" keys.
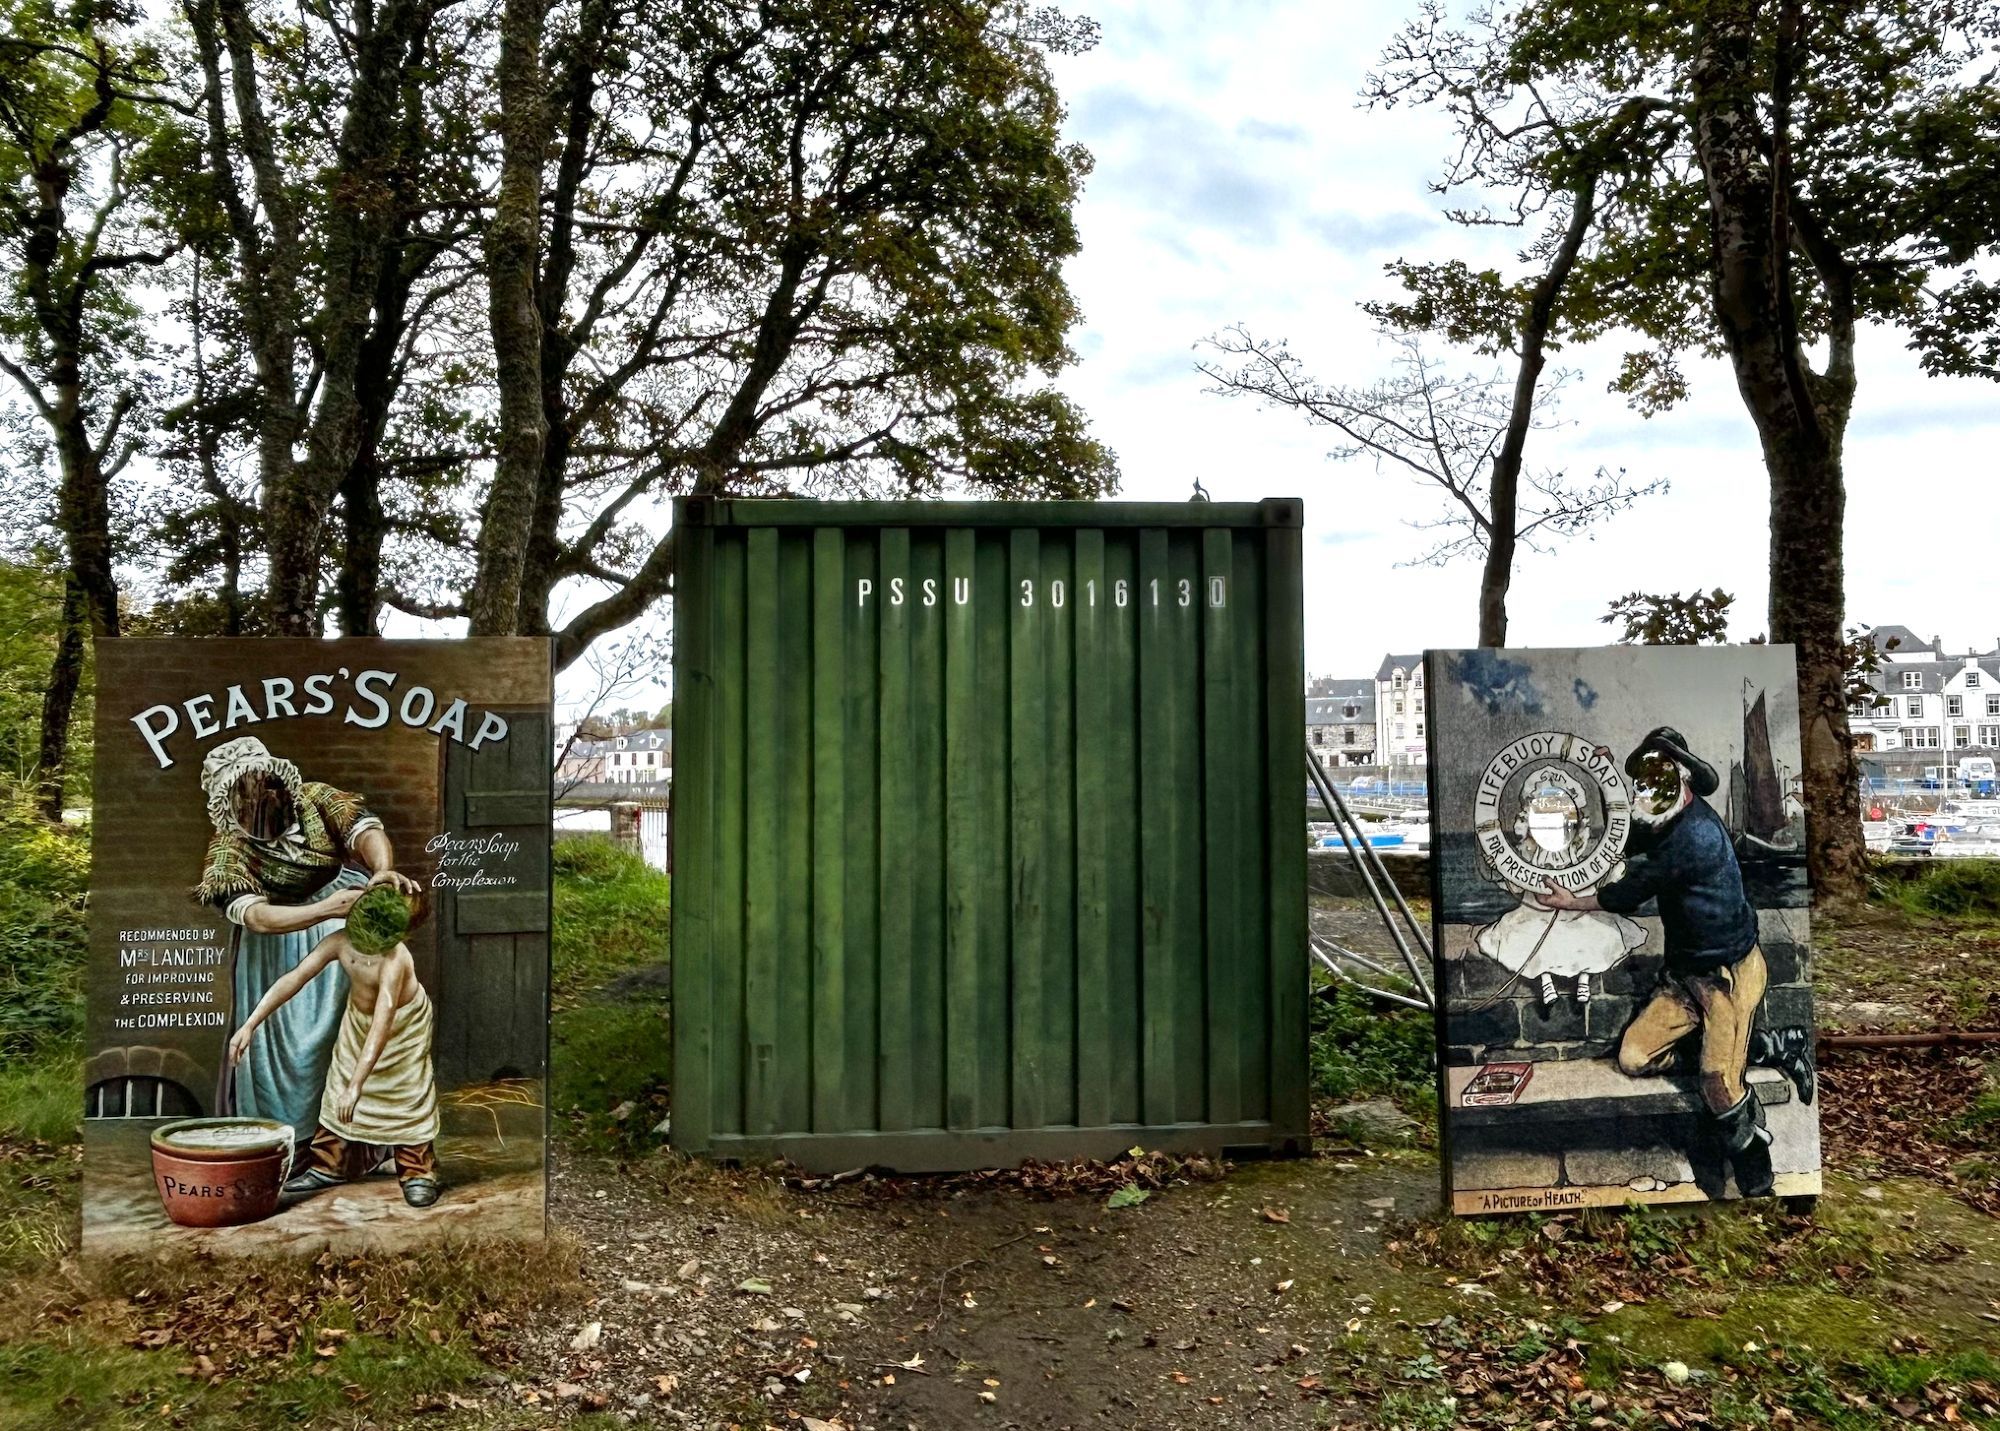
[{"x": 1440, "y": 997}]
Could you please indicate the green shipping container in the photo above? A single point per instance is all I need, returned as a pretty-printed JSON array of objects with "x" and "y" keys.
[{"x": 987, "y": 833}]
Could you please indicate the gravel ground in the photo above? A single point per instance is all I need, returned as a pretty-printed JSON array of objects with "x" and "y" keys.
[{"x": 731, "y": 1299}]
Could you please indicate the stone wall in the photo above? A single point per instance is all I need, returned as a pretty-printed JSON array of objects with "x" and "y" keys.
[{"x": 1331, "y": 871}]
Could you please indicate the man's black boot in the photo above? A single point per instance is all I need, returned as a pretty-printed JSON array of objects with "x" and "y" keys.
[
  {"x": 1746, "y": 1143},
  {"x": 1790, "y": 1050}
]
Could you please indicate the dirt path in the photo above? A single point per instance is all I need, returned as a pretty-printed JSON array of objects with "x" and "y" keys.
[
  {"x": 898, "y": 1306},
  {"x": 1286, "y": 1295}
]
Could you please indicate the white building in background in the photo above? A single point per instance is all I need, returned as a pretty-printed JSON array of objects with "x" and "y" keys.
[
  {"x": 1340, "y": 721},
  {"x": 640, "y": 757},
  {"x": 1399, "y": 712},
  {"x": 1927, "y": 701}
]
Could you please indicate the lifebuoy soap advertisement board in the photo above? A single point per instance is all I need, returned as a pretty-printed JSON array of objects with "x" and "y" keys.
[
  {"x": 1620, "y": 914},
  {"x": 319, "y": 944}
]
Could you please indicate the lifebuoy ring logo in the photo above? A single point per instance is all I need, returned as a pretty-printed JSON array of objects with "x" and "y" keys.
[{"x": 1552, "y": 806}]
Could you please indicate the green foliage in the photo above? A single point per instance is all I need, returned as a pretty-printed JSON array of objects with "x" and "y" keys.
[
  {"x": 1358, "y": 1051},
  {"x": 611, "y": 916},
  {"x": 1947, "y": 889},
  {"x": 1671, "y": 620},
  {"x": 611, "y": 1041},
  {"x": 807, "y": 246},
  {"x": 1417, "y": 1411},
  {"x": 44, "y": 876},
  {"x": 1891, "y": 151},
  {"x": 31, "y": 595}
]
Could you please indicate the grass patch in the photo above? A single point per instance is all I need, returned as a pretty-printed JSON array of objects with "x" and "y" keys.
[
  {"x": 1946, "y": 889},
  {"x": 70, "y": 1379},
  {"x": 611, "y": 916},
  {"x": 41, "y": 1097},
  {"x": 611, "y": 1039},
  {"x": 604, "y": 1056},
  {"x": 197, "y": 1343},
  {"x": 1684, "y": 1257}
]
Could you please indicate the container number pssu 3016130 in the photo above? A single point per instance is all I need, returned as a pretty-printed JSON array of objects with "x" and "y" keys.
[{"x": 1055, "y": 592}]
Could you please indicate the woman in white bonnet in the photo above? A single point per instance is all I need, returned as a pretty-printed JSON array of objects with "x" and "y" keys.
[{"x": 289, "y": 857}]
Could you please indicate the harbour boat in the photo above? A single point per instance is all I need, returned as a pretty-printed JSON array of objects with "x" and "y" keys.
[{"x": 1756, "y": 794}]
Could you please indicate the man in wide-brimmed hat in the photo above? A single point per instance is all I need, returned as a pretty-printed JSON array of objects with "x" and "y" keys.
[{"x": 1683, "y": 857}]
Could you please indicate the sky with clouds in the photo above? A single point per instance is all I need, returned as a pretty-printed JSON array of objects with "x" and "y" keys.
[{"x": 1238, "y": 181}]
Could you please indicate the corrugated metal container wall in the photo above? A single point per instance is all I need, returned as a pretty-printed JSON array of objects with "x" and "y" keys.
[{"x": 987, "y": 830}]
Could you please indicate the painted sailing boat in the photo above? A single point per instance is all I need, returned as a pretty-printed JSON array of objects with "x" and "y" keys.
[{"x": 1756, "y": 796}]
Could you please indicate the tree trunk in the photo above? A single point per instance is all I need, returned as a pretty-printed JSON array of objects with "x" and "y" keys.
[
  {"x": 544, "y": 550},
  {"x": 1801, "y": 417},
  {"x": 1505, "y": 488},
  {"x": 1494, "y": 579},
  {"x": 358, "y": 586},
  {"x": 1808, "y": 609},
  {"x": 59, "y": 701},
  {"x": 512, "y": 245}
]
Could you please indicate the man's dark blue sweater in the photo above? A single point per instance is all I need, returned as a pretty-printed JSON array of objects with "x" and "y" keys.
[{"x": 1692, "y": 872}]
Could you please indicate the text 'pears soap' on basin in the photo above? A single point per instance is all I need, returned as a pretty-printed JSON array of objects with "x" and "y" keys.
[{"x": 221, "y": 1172}]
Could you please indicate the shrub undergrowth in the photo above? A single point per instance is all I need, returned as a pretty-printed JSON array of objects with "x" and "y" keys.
[
  {"x": 44, "y": 876},
  {"x": 1360, "y": 1051},
  {"x": 1947, "y": 889}
]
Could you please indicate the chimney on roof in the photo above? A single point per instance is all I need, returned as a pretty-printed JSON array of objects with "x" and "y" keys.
[{"x": 1937, "y": 644}]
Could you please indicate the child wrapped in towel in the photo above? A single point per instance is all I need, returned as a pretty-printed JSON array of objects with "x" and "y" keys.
[{"x": 379, "y": 1089}]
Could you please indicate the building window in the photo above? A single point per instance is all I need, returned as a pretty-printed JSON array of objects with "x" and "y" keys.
[
  {"x": 1913, "y": 705},
  {"x": 1920, "y": 737},
  {"x": 1351, "y": 710},
  {"x": 1954, "y": 705},
  {"x": 1319, "y": 736},
  {"x": 1399, "y": 730},
  {"x": 1993, "y": 705},
  {"x": 1961, "y": 735},
  {"x": 1972, "y": 680},
  {"x": 1913, "y": 680},
  {"x": 1989, "y": 735},
  {"x": 1420, "y": 730},
  {"x": 1350, "y": 735},
  {"x": 1399, "y": 705}
]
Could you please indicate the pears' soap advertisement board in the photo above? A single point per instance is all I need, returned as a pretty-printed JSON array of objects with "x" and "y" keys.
[
  {"x": 1620, "y": 918},
  {"x": 319, "y": 944}
]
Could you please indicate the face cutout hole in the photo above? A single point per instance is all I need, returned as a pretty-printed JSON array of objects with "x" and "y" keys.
[
  {"x": 262, "y": 805},
  {"x": 1656, "y": 788},
  {"x": 1555, "y": 822}
]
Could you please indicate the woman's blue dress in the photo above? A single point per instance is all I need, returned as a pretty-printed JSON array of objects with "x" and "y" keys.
[{"x": 284, "y": 1071}]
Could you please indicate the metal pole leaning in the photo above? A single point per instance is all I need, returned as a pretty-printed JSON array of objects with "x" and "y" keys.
[
  {"x": 1349, "y": 841},
  {"x": 1326, "y": 949},
  {"x": 1360, "y": 850},
  {"x": 1416, "y": 929},
  {"x": 1332, "y": 967}
]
